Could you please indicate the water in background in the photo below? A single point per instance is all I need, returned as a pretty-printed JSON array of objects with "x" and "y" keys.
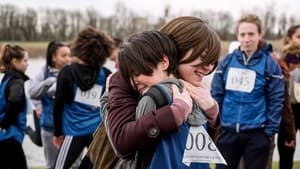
[{"x": 34, "y": 154}]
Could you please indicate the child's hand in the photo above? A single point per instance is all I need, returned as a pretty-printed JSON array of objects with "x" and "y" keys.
[{"x": 201, "y": 95}]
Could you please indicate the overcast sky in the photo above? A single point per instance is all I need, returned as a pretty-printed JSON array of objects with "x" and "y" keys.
[{"x": 155, "y": 7}]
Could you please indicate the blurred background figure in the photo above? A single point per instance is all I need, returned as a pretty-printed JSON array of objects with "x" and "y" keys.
[
  {"x": 13, "y": 106},
  {"x": 42, "y": 88}
]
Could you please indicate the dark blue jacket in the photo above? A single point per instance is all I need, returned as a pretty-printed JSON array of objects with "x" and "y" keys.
[{"x": 259, "y": 107}]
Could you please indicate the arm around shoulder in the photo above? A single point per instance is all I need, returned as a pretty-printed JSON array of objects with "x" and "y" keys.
[{"x": 122, "y": 121}]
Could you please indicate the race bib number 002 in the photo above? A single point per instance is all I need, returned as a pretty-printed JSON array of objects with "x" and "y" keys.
[
  {"x": 90, "y": 97},
  {"x": 242, "y": 80},
  {"x": 200, "y": 148}
]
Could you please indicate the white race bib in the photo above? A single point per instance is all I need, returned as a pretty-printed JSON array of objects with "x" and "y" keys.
[
  {"x": 242, "y": 80},
  {"x": 1, "y": 77},
  {"x": 200, "y": 148},
  {"x": 90, "y": 97},
  {"x": 297, "y": 91}
]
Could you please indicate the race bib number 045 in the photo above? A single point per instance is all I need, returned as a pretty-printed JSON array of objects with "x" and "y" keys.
[
  {"x": 242, "y": 80},
  {"x": 90, "y": 97}
]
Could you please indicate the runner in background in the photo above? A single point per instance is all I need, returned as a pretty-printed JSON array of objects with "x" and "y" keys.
[
  {"x": 93, "y": 158},
  {"x": 79, "y": 87},
  {"x": 291, "y": 115},
  {"x": 13, "y": 106},
  {"x": 249, "y": 87},
  {"x": 42, "y": 87}
]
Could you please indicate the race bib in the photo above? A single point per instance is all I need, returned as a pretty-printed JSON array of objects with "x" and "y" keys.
[
  {"x": 242, "y": 80},
  {"x": 1, "y": 77},
  {"x": 200, "y": 148},
  {"x": 90, "y": 97},
  {"x": 297, "y": 91}
]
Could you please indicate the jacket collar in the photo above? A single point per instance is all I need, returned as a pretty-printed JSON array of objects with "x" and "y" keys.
[{"x": 263, "y": 48}]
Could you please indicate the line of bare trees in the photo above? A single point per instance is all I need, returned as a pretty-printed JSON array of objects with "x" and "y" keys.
[{"x": 17, "y": 24}]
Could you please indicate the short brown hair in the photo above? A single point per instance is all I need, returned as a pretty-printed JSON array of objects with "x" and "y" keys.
[
  {"x": 250, "y": 18},
  {"x": 190, "y": 32},
  {"x": 142, "y": 53},
  {"x": 92, "y": 46}
]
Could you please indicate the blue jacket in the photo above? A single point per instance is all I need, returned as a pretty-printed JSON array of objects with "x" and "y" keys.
[
  {"x": 46, "y": 119},
  {"x": 259, "y": 106},
  {"x": 17, "y": 129}
]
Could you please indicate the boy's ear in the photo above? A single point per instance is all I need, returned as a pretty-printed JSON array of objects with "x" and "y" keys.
[{"x": 165, "y": 62}]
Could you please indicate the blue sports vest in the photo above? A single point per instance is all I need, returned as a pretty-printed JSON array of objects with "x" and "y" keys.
[
  {"x": 169, "y": 152},
  {"x": 15, "y": 131},
  {"x": 80, "y": 118}
]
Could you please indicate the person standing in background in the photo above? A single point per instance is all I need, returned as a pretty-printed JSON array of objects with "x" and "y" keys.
[
  {"x": 79, "y": 87},
  {"x": 291, "y": 115},
  {"x": 42, "y": 87},
  {"x": 94, "y": 156},
  {"x": 249, "y": 88},
  {"x": 13, "y": 106}
]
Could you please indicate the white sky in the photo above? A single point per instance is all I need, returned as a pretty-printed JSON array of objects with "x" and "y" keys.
[{"x": 155, "y": 7}]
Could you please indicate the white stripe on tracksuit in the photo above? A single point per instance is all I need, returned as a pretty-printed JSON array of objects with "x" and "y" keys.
[{"x": 63, "y": 152}]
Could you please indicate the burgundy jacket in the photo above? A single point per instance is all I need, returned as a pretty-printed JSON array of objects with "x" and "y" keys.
[{"x": 127, "y": 133}]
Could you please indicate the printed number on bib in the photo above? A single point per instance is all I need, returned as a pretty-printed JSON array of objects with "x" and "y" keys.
[
  {"x": 242, "y": 80},
  {"x": 200, "y": 148},
  {"x": 90, "y": 97}
]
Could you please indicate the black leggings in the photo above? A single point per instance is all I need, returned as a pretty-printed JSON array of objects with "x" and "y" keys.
[
  {"x": 71, "y": 149},
  {"x": 12, "y": 155}
]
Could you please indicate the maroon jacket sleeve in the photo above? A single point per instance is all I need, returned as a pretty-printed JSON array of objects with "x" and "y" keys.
[{"x": 127, "y": 133}]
